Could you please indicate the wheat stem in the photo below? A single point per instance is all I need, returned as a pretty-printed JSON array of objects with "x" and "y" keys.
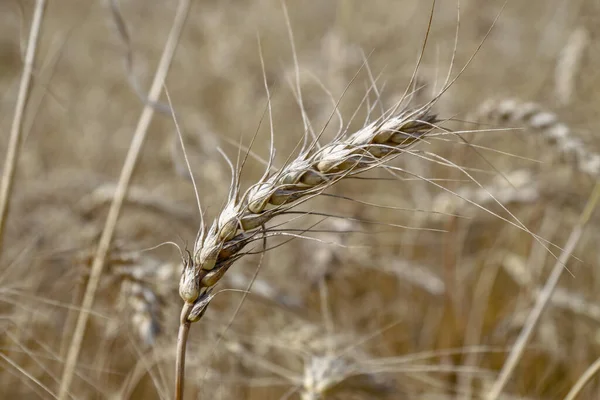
[
  {"x": 14, "y": 141},
  {"x": 124, "y": 179},
  {"x": 184, "y": 330}
]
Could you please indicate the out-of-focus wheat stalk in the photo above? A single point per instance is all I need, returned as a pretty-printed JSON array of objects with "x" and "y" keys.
[
  {"x": 583, "y": 380},
  {"x": 113, "y": 214},
  {"x": 14, "y": 142},
  {"x": 569, "y": 64},
  {"x": 543, "y": 298}
]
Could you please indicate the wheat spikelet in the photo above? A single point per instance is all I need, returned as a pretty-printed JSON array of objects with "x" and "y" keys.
[
  {"x": 315, "y": 169},
  {"x": 548, "y": 124}
]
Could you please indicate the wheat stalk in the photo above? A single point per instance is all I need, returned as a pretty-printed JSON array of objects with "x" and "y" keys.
[
  {"x": 114, "y": 211},
  {"x": 243, "y": 218},
  {"x": 10, "y": 162},
  {"x": 568, "y": 65}
]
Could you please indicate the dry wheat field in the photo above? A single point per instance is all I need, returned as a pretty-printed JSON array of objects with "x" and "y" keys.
[{"x": 276, "y": 199}]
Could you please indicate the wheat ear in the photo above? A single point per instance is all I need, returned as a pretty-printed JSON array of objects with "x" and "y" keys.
[
  {"x": 550, "y": 127},
  {"x": 243, "y": 218},
  {"x": 316, "y": 168}
]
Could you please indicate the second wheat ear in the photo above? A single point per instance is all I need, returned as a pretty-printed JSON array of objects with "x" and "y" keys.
[{"x": 312, "y": 171}]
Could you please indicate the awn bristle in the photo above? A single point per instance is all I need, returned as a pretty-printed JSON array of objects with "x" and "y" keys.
[
  {"x": 315, "y": 169},
  {"x": 518, "y": 186}
]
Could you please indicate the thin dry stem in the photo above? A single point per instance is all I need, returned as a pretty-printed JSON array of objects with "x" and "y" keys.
[
  {"x": 113, "y": 214},
  {"x": 568, "y": 65},
  {"x": 583, "y": 380},
  {"x": 14, "y": 142},
  {"x": 543, "y": 299}
]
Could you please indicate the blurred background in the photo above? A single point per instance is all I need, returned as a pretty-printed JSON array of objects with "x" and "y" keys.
[{"x": 369, "y": 311}]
